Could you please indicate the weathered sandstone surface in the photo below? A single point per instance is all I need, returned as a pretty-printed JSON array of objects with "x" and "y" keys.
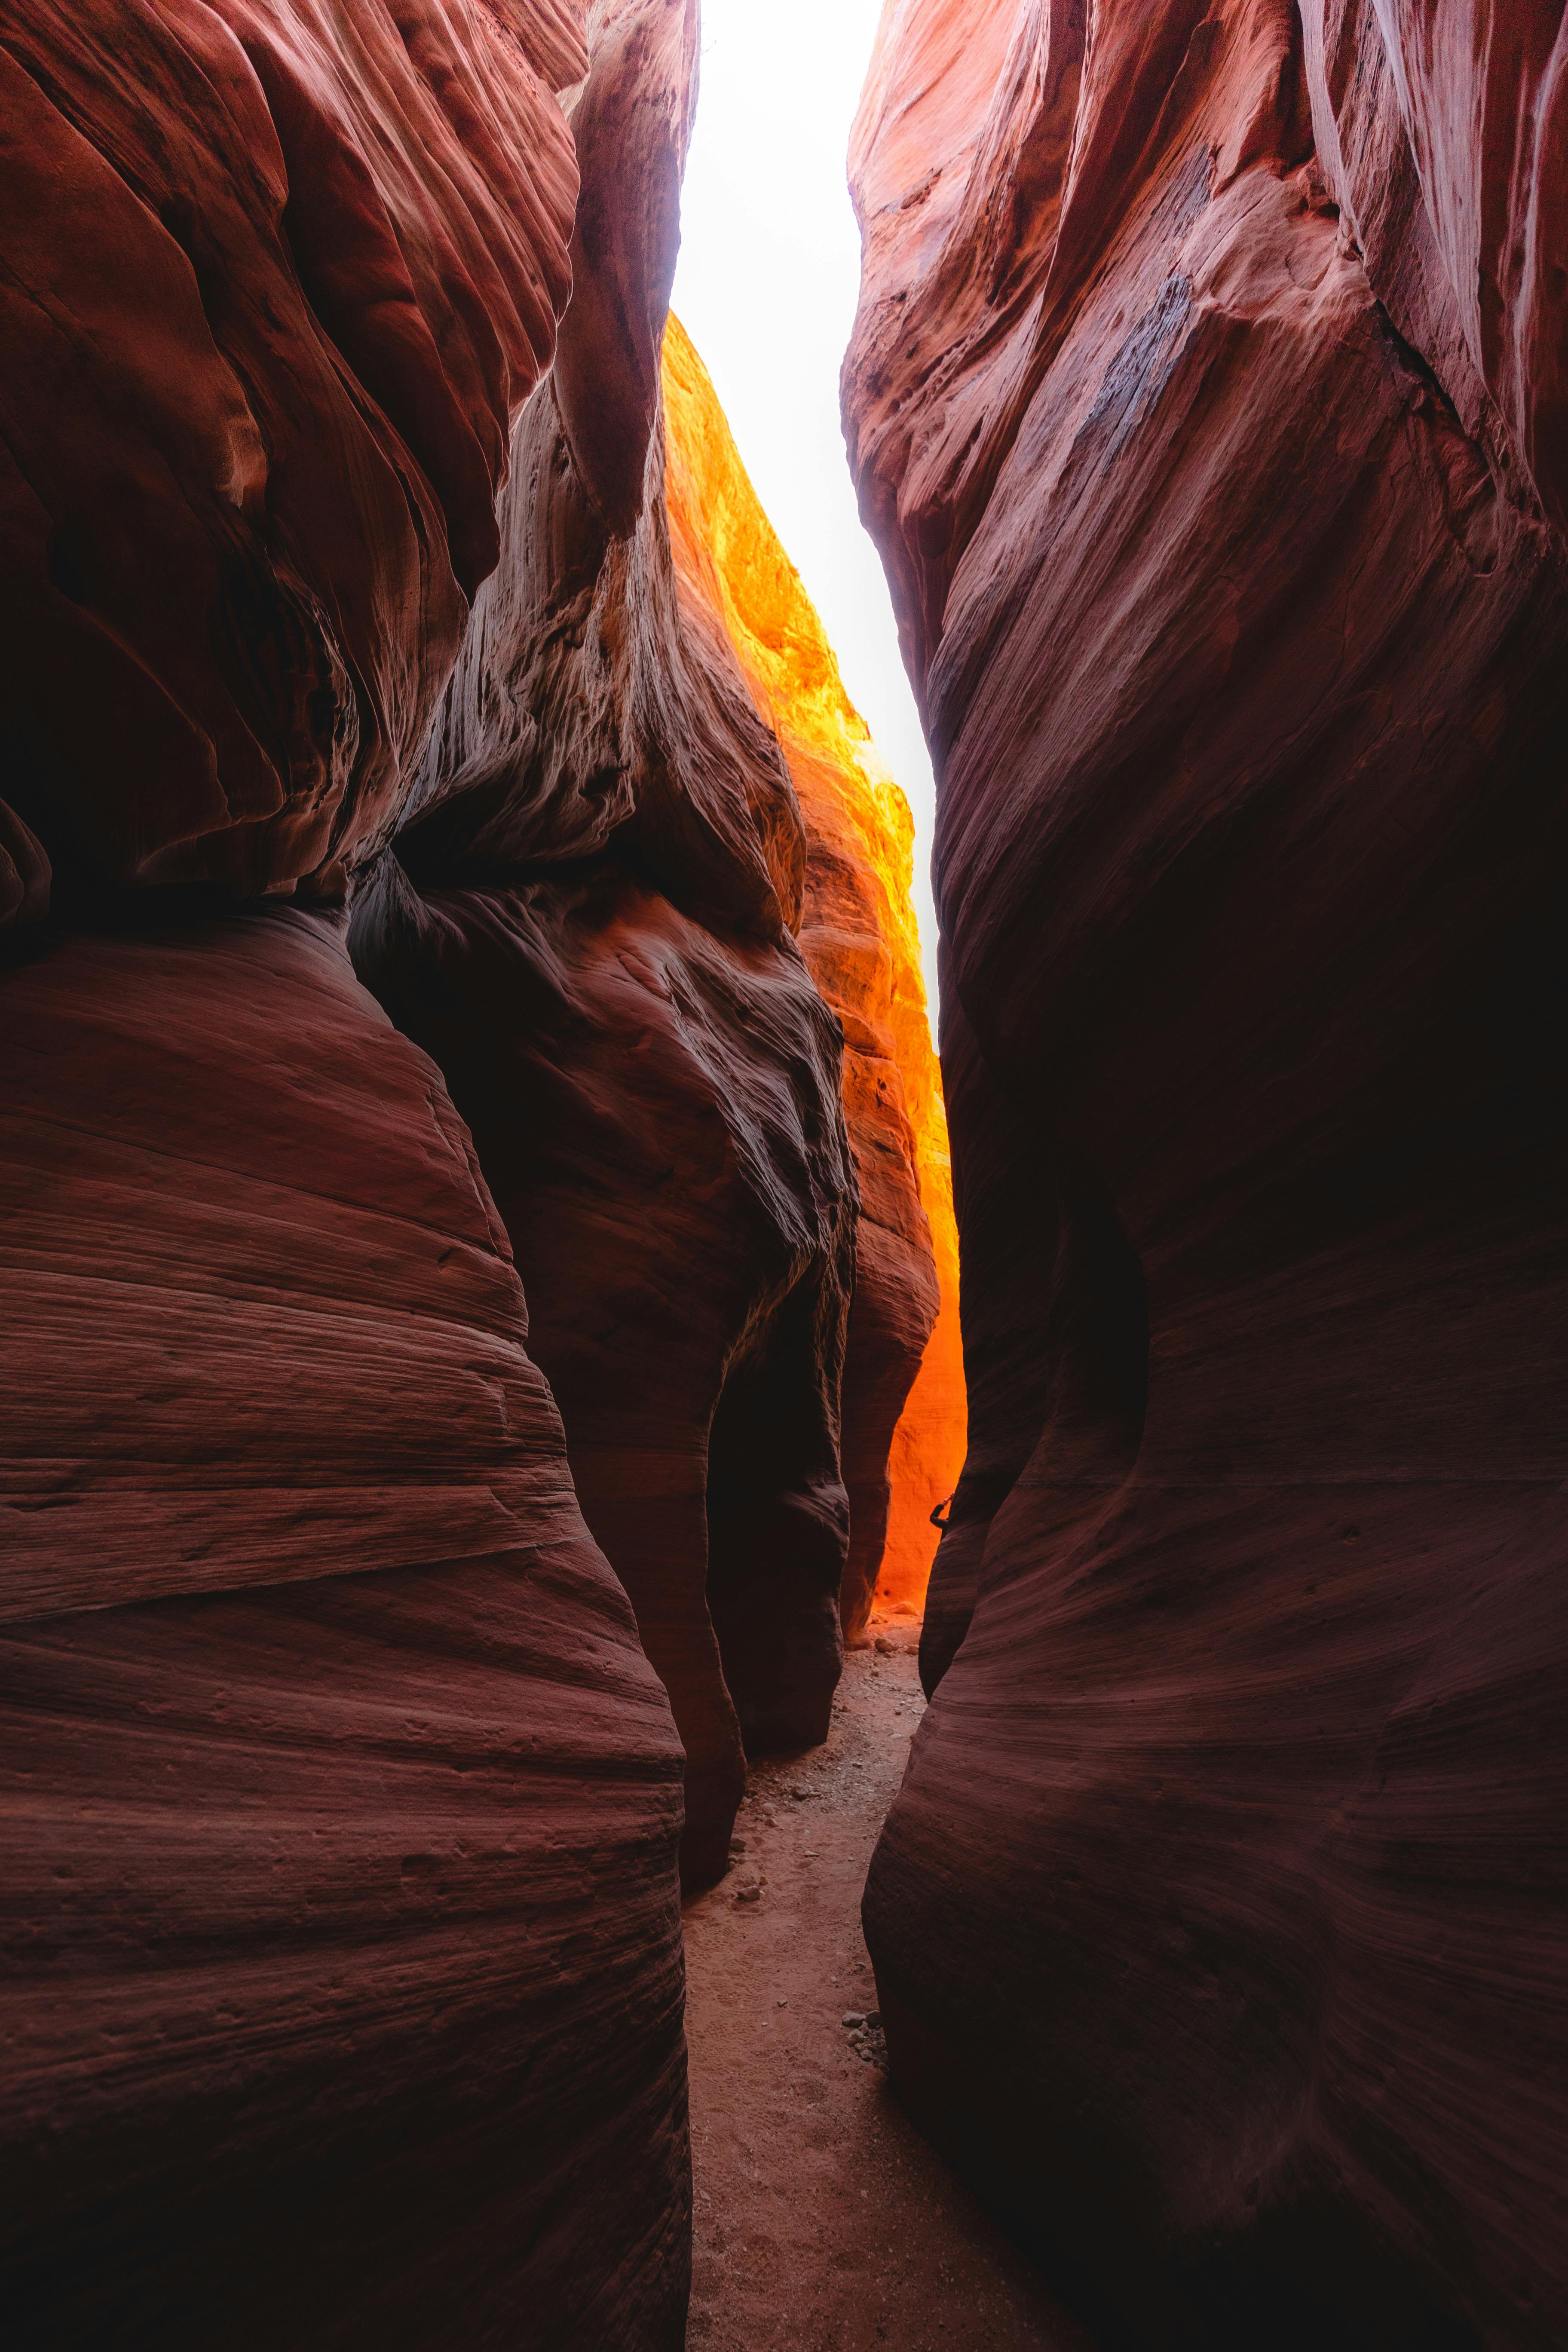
[
  {"x": 903, "y": 1379},
  {"x": 1207, "y": 401}
]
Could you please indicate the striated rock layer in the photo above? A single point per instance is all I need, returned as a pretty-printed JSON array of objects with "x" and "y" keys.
[
  {"x": 1206, "y": 401},
  {"x": 903, "y": 1387},
  {"x": 343, "y": 1800},
  {"x": 341, "y": 1952}
]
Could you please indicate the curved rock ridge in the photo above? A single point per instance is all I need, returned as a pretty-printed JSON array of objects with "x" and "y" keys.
[
  {"x": 588, "y": 920},
  {"x": 339, "y": 1914},
  {"x": 1205, "y": 400},
  {"x": 656, "y": 1106},
  {"x": 903, "y": 1375},
  {"x": 1444, "y": 132},
  {"x": 279, "y": 276}
]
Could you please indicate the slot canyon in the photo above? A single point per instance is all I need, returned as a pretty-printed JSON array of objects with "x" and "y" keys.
[{"x": 669, "y": 1676}]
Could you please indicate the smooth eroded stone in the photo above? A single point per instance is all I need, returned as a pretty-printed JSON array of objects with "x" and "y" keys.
[
  {"x": 279, "y": 277},
  {"x": 654, "y": 1107},
  {"x": 1219, "y": 1922},
  {"x": 588, "y": 919},
  {"x": 341, "y": 1993}
]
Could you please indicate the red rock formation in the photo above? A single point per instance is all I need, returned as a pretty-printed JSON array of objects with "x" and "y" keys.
[
  {"x": 588, "y": 920},
  {"x": 656, "y": 1106},
  {"x": 903, "y": 1389},
  {"x": 929, "y": 1440},
  {"x": 1444, "y": 132},
  {"x": 25, "y": 877},
  {"x": 1205, "y": 400},
  {"x": 278, "y": 275},
  {"x": 341, "y": 1941},
  {"x": 341, "y": 1993}
]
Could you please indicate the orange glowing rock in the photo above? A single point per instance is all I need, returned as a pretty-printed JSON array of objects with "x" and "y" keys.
[{"x": 903, "y": 1444}]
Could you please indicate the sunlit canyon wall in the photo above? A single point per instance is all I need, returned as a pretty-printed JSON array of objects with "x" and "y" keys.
[
  {"x": 1207, "y": 402},
  {"x": 429, "y": 1212},
  {"x": 903, "y": 1446}
]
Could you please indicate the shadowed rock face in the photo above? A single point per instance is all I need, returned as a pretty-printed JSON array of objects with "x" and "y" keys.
[
  {"x": 656, "y": 1106},
  {"x": 342, "y": 1969},
  {"x": 341, "y": 1979},
  {"x": 278, "y": 277},
  {"x": 589, "y": 921},
  {"x": 1205, "y": 399},
  {"x": 340, "y": 1802}
]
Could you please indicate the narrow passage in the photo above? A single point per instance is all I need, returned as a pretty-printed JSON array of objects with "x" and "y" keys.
[{"x": 824, "y": 2221}]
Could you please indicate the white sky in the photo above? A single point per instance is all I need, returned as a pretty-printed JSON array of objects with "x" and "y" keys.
[{"x": 769, "y": 265}]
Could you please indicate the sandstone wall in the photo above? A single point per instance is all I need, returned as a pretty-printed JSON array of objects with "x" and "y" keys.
[
  {"x": 341, "y": 1984},
  {"x": 400, "y": 885},
  {"x": 903, "y": 1386},
  {"x": 1204, "y": 400},
  {"x": 340, "y": 1924},
  {"x": 588, "y": 919},
  {"x": 279, "y": 277}
]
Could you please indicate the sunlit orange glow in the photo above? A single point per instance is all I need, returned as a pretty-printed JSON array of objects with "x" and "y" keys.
[{"x": 861, "y": 941}]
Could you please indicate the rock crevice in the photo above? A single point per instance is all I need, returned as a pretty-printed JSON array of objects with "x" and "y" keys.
[{"x": 423, "y": 1453}]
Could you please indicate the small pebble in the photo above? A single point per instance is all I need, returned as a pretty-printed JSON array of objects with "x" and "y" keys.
[{"x": 749, "y": 1894}]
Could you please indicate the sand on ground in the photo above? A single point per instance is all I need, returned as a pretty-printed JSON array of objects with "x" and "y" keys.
[{"x": 824, "y": 2221}]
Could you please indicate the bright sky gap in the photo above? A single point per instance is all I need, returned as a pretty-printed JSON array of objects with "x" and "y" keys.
[{"x": 769, "y": 270}]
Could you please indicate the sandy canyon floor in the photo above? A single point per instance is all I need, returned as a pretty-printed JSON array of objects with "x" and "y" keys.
[{"x": 825, "y": 2223}]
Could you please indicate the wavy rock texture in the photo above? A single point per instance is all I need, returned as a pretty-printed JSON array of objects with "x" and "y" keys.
[
  {"x": 656, "y": 1106},
  {"x": 279, "y": 275},
  {"x": 341, "y": 1985},
  {"x": 341, "y": 1802},
  {"x": 1445, "y": 133},
  {"x": 589, "y": 922},
  {"x": 903, "y": 1379},
  {"x": 1205, "y": 400}
]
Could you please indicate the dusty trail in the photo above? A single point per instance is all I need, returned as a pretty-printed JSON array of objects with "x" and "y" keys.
[{"x": 824, "y": 2221}]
